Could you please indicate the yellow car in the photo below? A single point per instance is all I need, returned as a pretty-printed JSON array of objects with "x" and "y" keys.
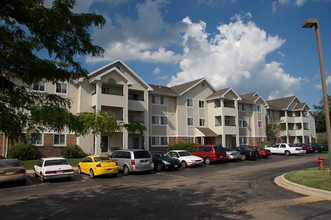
[{"x": 98, "y": 165}]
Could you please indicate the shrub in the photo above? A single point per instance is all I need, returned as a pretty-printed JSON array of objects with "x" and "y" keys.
[
  {"x": 72, "y": 152},
  {"x": 23, "y": 152},
  {"x": 182, "y": 146}
]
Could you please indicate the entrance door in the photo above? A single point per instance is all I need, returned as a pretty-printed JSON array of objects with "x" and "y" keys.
[
  {"x": 133, "y": 142},
  {"x": 104, "y": 144}
]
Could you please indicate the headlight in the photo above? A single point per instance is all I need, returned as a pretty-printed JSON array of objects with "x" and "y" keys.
[{"x": 166, "y": 162}]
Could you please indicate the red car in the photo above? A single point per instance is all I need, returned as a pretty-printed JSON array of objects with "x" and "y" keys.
[
  {"x": 209, "y": 153},
  {"x": 263, "y": 152},
  {"x": 308, "y": 147}
]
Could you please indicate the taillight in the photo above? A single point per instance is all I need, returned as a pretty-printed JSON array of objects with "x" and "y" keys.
[
  {"x": 21, "y": 171},
  {"x": 132, "y": 162},
  {"x": 116, "y": 163},
  {"x": 297, "y": 149},
  {"x": 98, "y": 165},
  {"x": 232, "y": 154}
]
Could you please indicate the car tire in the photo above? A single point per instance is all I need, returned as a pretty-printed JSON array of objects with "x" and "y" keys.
[
  {"x": 287, "y": 153},
  {"x": 243, "y": 157},
  {"x": 158, "y": 167},
  {"x": 184, "y": 164},
  {"x": 91, "y": 174},
  {"x": 42, "y": 179},
  {"x": 207, "y": 160},
  {"x": 126, "y": 170},
  {"x": 79, "y": 170}
]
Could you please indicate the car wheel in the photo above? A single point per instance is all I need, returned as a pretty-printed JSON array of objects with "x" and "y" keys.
[
  {"x": 126, "y": 170},
  {"x": 42, "y": 179},
  {"x": 158, "y": 167},
  {"x": 91, "y": 174},
  {"x": 287, "y": 153},
  {"x": 184, "y": 164},
  {"x": 207, "y": 160},
  {"x": 243, "y": 157},
  {"x": 79, "y": 170}
]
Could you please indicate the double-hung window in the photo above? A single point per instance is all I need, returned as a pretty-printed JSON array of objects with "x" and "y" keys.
[
  {"x": 61, "y": 88},
  {"x": 190, "y": 121},
  {"x": 159, "y": 120},
  {"x": 59, "y": 139},
  {"x": 189, "y": 102},
  {"x": 39, "y": 86}
]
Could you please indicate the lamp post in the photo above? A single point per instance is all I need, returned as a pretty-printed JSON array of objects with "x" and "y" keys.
[{"x": 309, "y": 23}]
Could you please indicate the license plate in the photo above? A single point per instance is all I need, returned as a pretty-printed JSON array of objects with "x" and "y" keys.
[
  {"x": 142, "y": 162},
  {"x": 59, "y": 171},
  {"x": 108, "y": 170},
  {"x": 9, "y": 172},
  {"x": 176, "y": 166}
]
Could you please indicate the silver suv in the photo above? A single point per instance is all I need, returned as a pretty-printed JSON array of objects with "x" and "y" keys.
[{"x": 134, "y": 160}]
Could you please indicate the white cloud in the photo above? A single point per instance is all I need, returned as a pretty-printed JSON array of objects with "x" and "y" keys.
[
  {"x": 235, "y": 57},
  {"x": 327, "y": 82},
  {"x": 156, "y": 71},
  {"x": 146, "y": 39}
]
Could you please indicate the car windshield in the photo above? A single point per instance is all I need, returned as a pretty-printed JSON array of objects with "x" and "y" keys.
[
  {"x": 141, "y": 154},
  {"x": 184, "y": 153},
  {"x": 10, "y": 163},
  {"x": 261, "y": 148},
  {"x": 291, "y": 145},
  {"x": 161, "y": 155},
  {"x": 55, "y": 162},
  {"x": 103, "y": 158}
]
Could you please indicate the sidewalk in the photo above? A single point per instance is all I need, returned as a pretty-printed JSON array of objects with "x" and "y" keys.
[{"x": 282, "y": 182}]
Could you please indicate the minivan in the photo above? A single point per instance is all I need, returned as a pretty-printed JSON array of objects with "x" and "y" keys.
[
  {"x": 133, "y": 160},
  {"x": 209, "y": 153}
]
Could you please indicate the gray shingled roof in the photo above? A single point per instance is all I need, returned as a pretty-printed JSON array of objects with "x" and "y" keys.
[
  {"x": 207, "y": 132},
  {"x": 163, "y": 90},
  {"x": 183, "y": 87},
  {"x": 281, "y": 103},
  {"x": 218, "y": 93},
  {"x": 250, "y": 97}
]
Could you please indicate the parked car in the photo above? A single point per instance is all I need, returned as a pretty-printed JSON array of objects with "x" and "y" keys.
[
  {"x": 98, "y": 165},
  {"x": 133, "y": 160},
  {"x": 325, "y": 146},
  {"x": 164, "y": 161},
  {"x": 209, "y": 153},
  {"x": 53, "y": 168},
  {"x": 286, "y": 149},
  {"x": 232, "y": 154},
  {"x": 186, "y": 158},
  {"x": 309, "y": 148},
  {"x": 317, "y": 147},
  {"x": 248, "y": 153},
  {"x": 12, "y": 170},
  {"x": 264, "y": 153}
]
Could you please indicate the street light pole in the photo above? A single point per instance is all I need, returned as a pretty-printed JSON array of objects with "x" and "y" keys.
[{"x": 309, "y": 23}]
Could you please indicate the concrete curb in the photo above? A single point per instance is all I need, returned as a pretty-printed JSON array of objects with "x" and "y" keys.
[{"x": 282, "y": 182}]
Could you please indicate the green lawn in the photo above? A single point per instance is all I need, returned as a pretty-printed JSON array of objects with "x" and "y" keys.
[
  {"x": 311, "y": 177},
  {"x": 28, "y": 164}
]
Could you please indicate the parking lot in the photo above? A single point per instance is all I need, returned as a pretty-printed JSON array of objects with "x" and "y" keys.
[{"x": 230, "y": 190}]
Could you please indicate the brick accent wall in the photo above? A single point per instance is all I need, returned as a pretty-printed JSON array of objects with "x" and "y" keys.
[{"x": 254, "y": 141}]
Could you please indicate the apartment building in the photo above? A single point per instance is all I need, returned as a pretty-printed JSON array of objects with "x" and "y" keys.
[
  {"x": 296, "y": 120},
  {"x": 190, "y": 112}
]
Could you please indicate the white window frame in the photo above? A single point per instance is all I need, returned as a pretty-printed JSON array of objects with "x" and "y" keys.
[
  {"x": 259, "y": 108},
  {"x": 59, "y": 135},
  {"x": 243, "y": 140},
  {"x": 61, "y": 85},
  {"x": 158, "y": 120},
  {"x": 242, "y": 123},
  {"x": 201, "y": 104},
  {"x": 202, "y": 122},
  {"x": 190, "y": 121},
  {"x": 242, "y": 107},
  {"x": 39, "y": 85},
  {"x": 189, "y": 103},
  {"x": 261, "y": 139},
  {"x": 161, "y": 141},
  {"x": 156, "y": 100},
  {"x": 41, "y": 139},
  {"x": 260, "y": 124}
]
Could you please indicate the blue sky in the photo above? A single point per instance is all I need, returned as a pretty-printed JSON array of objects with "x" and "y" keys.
[{"x": 251, "y": 46}]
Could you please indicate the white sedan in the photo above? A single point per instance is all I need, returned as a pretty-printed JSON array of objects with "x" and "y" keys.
[
  {"x": 53, "y": 168},
  {"x": 286, "y": 149},
  {"x": 186, "y": 158}
]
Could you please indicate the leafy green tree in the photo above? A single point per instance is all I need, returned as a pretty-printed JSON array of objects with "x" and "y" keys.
[
  {"x": 273, "y": 129},
  {"x": 39, "y": 43},
  {"x": 319, "y": 115}
]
